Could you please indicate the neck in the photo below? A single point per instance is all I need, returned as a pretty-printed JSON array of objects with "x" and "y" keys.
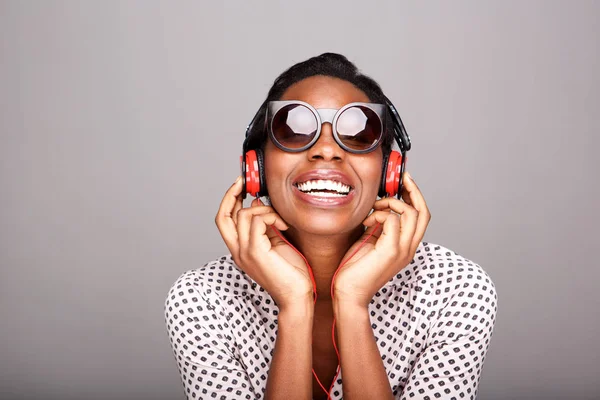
[{"x": 324, "y": 254}]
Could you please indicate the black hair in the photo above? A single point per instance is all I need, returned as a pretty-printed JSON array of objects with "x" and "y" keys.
[{"x": 327, "y": 64}]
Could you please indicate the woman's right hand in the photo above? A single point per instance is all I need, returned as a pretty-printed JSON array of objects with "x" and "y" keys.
[{"x": 259, "y": 251}]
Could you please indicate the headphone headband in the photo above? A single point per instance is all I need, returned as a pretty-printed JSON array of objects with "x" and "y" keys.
[
  {"x": 400, "y": 135},
  {"x": 249, "y": 127}
]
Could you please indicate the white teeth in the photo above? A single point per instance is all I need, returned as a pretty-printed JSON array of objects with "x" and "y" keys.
[
  {"x": 320, "y": 184},
  {"x": 325, "y": 194}
]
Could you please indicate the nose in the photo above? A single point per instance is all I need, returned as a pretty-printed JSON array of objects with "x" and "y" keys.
[{"x": 326, "y": 148}]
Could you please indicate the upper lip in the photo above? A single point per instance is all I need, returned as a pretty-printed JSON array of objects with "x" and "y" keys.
[{"x": 323, "y": 174}]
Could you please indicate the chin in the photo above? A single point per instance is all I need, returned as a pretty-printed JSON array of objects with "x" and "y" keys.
[
  {"x": 326, "y": 220},
  {"x": 323, "y": 223}
]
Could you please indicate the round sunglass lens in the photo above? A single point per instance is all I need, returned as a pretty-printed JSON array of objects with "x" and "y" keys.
[
  {"x": 359, "y": 128},
  {"x": 294, "y": 126}
]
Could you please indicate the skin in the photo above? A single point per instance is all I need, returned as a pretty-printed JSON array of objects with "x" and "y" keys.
[{"x": 326, "y": 237}]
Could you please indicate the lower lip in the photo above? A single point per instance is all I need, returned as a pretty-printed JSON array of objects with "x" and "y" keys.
[{"x": 319, "y": 201}]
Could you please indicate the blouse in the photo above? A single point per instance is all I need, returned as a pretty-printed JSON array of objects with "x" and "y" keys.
[{"x": 432, "y": 323}]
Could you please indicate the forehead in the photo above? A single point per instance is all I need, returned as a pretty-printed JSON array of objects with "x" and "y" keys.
[{"x": 325, "y": 92}]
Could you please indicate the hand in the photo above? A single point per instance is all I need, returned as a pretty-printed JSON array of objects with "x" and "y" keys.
[
  {"x": 402, "y": 225},
  {"x": 259, "y": 251}
]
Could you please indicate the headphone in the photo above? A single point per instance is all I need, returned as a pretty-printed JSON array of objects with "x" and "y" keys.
[{"x": 253, "y": 165}]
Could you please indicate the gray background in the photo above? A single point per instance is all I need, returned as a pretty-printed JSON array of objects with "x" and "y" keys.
[{"x": 121, "y": 126}]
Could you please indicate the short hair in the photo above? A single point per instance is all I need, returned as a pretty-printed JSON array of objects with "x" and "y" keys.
[{"x": 327, "y": 64}]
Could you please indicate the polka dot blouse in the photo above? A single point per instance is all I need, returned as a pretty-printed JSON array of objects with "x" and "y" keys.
[{"x": 432, "y": 322}]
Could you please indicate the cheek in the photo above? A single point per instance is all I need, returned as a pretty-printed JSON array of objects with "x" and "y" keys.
[
  {"x": 274, "y": 182},
  {"x": 276, "y": 167},
  {"x": 371, "y": 173}
]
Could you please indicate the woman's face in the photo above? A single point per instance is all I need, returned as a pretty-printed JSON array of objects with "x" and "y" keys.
[{"x": 327, "y": 161}]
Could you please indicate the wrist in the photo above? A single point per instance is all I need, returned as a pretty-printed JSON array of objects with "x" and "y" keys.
[
  {"x": 343, "y": 306},
  {"x": 349, "y": 295},
  {"x": 297, "y": 308}
]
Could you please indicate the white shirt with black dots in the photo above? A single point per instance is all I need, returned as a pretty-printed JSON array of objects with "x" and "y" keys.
[{"x": 432, "y": 323}]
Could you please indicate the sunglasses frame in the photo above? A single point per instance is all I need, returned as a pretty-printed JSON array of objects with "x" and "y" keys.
[{"x": 323, "y": 115}]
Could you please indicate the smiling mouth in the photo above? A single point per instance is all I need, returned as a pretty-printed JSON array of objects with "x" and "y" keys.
[{"x": 324, "y": 188}]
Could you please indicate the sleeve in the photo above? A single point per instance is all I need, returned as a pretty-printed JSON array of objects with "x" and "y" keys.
[
  {"x": 451, "y": 364},
  {"x": 202, "y": 344}
]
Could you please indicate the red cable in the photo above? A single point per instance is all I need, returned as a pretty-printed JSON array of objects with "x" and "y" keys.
[
  {"x": 333, "y": 325},
  {"x": 312, "y": 277}
]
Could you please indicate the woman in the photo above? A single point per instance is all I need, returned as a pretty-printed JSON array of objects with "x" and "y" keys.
[{"x": 413, "y": 320}]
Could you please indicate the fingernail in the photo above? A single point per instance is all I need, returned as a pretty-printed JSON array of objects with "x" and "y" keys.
[
  {"x": 409, "y": 177},
  {"x": 238, "y": 179}
]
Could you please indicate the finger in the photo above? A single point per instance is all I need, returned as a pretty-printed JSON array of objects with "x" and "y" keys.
[
  {"x": 373, "y": 230},
  {"x": 239, "y": 203},
  {"x": 274, "y": 228},
  {"x": 412, "y": 195},
  {"x": 225, "y": 219},
  {"x": 373, "y": 225},
  {"x": 404, "y": 194},
  {"x": 417, "y": 201},
  {"x": 390, "y": 226},
  {"x": 408, "y": 226},
  {"x": 230, "y": 237},
  {"x": 260, "y": 227},
  {"x": 232, "y": 195},
  {"x": 376, "y": 217},
  {"x": 408, "y": 238},
  {"x": 391, "y": 203},
  {"x": 273, "y": 219},
  {"x": 244, "y": 219},
  {"x": 410, "y": 189}
]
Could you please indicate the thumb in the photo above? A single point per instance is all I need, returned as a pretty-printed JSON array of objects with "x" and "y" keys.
[{"x": 374, "y": 229}]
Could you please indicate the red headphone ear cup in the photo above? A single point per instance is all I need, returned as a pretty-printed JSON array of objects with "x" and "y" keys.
[
  {"x": 260, "y": 160},
  {"x": 252, "y": 173},
  {"x": 393, "y": 171}
]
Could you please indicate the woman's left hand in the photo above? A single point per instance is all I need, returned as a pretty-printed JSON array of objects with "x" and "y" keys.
[{"x": 401, "y": 228}]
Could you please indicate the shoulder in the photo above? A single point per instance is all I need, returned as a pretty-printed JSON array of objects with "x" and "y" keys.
[
  {"x": 220, "y": 276},
  {"x": 436, "y": 266},
  {"x": 213, "y": 283},
  {"x": 441, "y": 276}
]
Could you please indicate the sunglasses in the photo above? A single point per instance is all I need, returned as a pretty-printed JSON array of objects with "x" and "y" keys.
[{"x": 295, "y": 126}]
